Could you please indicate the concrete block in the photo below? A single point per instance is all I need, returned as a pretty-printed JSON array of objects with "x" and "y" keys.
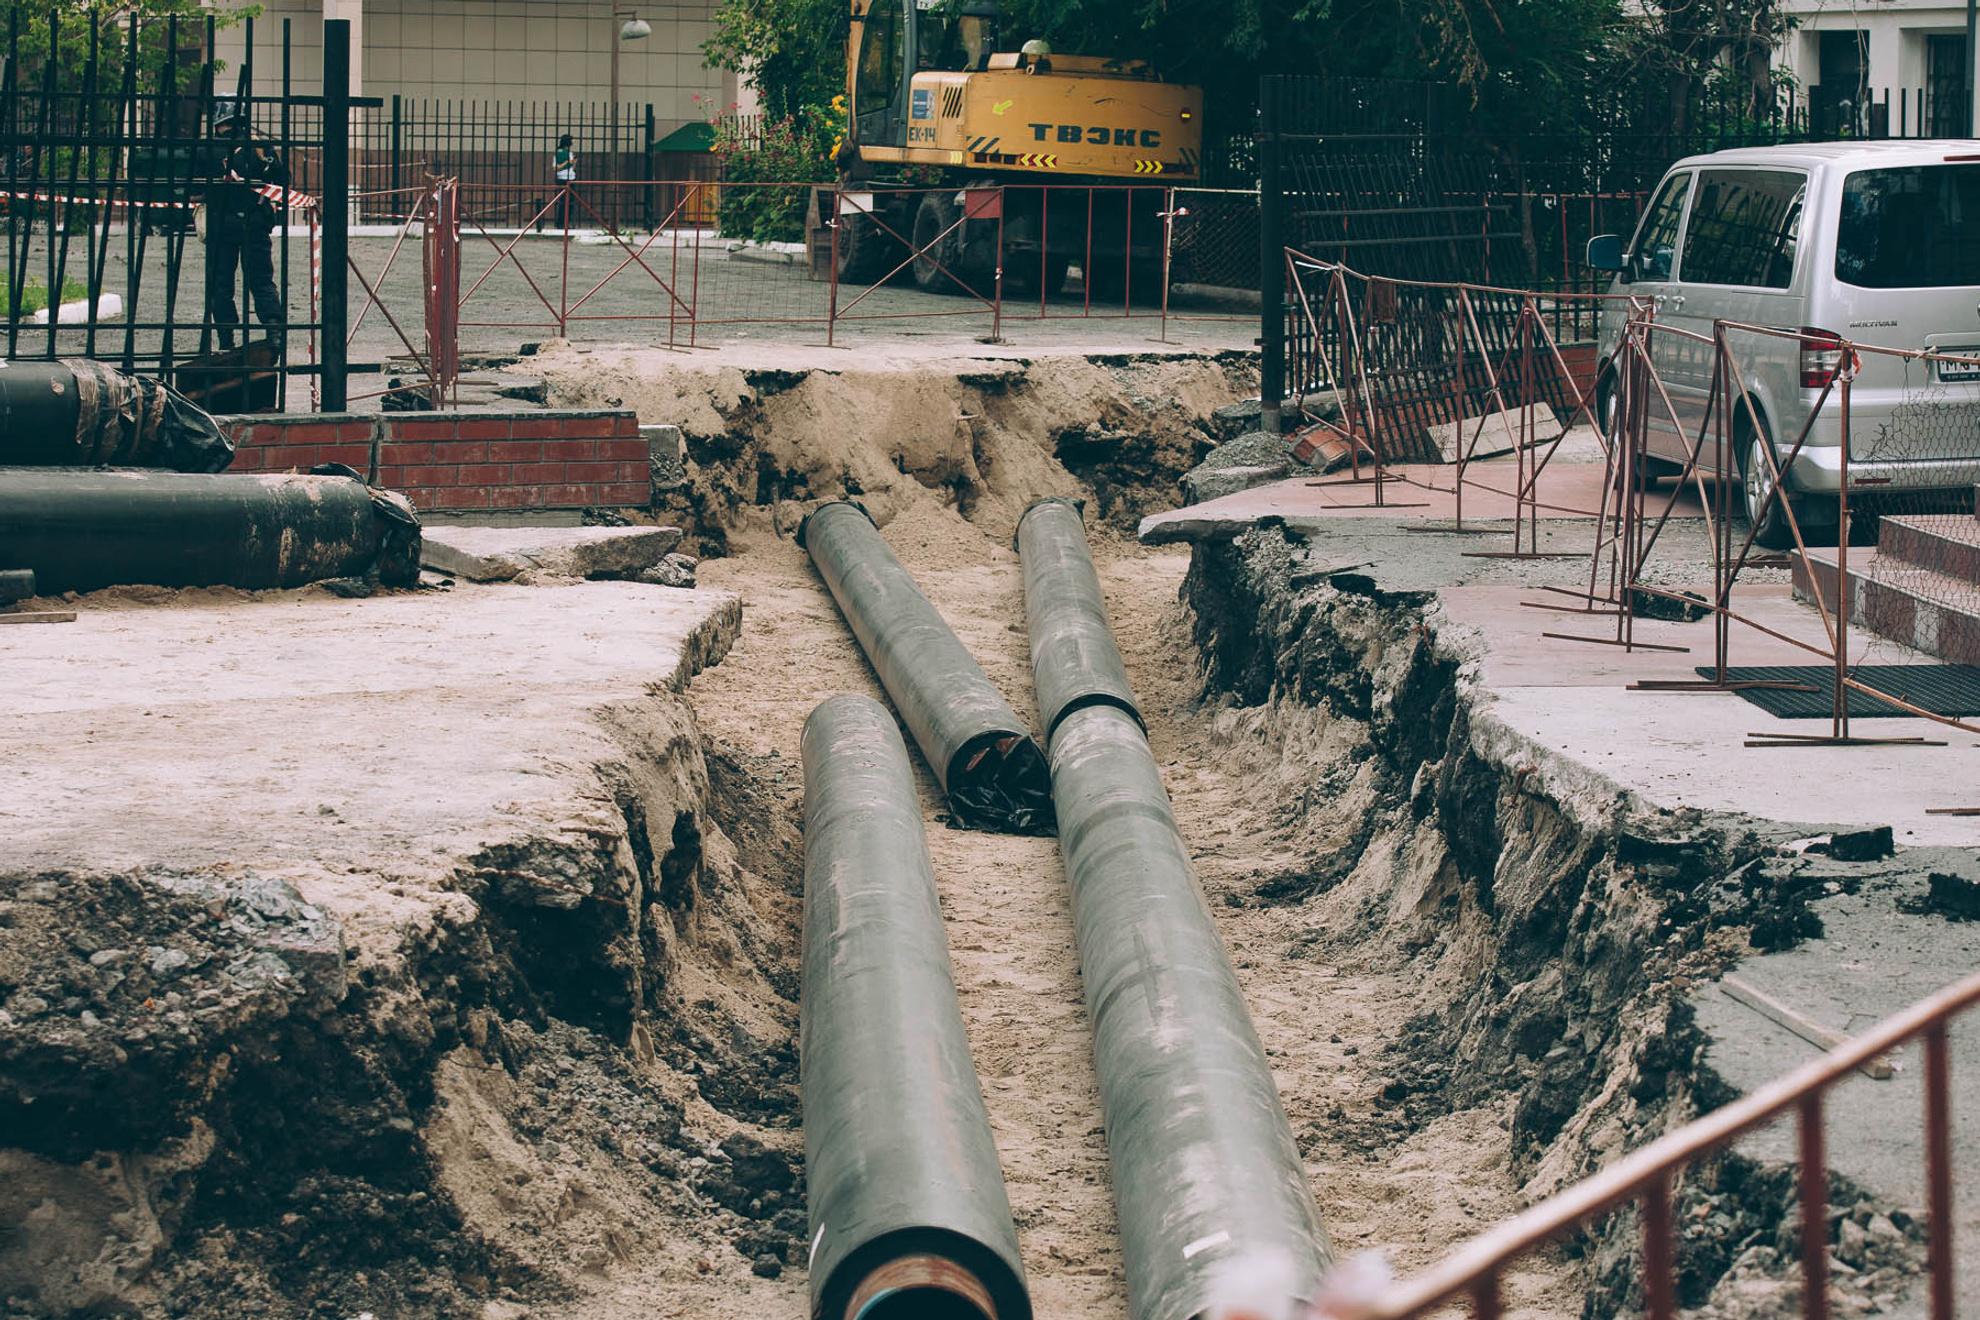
[
  {"x": 530, "y": 554},
  {"x": 1208, "y": 483},
  {"x": 1500, "y": 434}
]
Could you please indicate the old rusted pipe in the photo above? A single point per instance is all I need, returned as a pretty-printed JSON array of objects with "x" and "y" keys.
[
  {"x": 909, "y": 1220},
  {"x": 1207, "y": 1179},
  {"x": 986, "y": 761}
]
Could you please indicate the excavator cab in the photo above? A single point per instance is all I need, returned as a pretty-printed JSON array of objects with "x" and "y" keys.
[{"x": 900, "y": 38}]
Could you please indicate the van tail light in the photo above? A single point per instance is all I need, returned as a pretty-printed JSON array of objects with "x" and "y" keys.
[{"x": 1821, "y": 356}]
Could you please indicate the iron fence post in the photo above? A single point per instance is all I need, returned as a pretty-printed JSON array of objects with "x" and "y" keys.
[
  {"x": 398, "y": 130},
  {"x": 336, "y": 209},
  {"x": 646, "y": 165},
  {"x": 1271, "y": 258}
]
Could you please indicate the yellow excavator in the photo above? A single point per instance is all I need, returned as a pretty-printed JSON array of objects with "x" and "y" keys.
[{"x": 966, "y": 132}]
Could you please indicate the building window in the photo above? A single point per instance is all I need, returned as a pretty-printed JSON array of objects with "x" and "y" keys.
[
  {"x": 1842, "y": 63},
  {"x": 1945, "y": 86}
]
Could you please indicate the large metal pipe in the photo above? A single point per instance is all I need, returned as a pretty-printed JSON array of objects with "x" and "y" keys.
[
  {"x": 909, "y": 1220},
  {"x": 81, "y": 414},
  {"x": 986, "y": 761},
  {"x": 1074, "y": 660},
  {"x": 1207, "y": 1179},
  {"x": 80, "y": 531}
]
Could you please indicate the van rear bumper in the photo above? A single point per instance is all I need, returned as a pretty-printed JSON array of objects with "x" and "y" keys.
[{"x": 1818, "y": 471}]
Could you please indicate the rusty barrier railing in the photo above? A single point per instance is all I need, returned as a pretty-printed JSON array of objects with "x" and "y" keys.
[
  {"x": 1401, "y": 360},
  {"x": 552, "y": 261},
  {"x": 1647, "y": 1179},
  {"x": 1725, "y": 415}
]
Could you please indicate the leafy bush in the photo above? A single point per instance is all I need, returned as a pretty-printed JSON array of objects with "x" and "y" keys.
[{"x": 773, "y": 169}]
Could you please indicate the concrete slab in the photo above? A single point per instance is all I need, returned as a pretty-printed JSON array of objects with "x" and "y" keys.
[
  {"x": 1421, "y": 492},
  {"x": 509, "y": 554},
  {"x": 330, "y": 742},
  {"x": 1492, "y": 435},
  {"x": 1687, "y": 749}
]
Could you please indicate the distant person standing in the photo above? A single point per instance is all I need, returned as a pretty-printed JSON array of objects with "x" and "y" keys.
[
  {"x": 239, "y": 225},
  {"x": 565, "y": 165}
]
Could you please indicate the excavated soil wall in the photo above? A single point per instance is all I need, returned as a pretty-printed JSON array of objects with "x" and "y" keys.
[
  {"x": 1553, "y": 924},
  {"x": 987, "y": 435}
]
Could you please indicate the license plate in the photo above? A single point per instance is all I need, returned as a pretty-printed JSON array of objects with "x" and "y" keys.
[{"x": 1958, "y": 371}]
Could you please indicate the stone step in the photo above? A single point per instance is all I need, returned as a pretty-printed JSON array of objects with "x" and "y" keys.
[
  {"x": 1942, "y": 542},
  {"x": 1929, "y": 611}
]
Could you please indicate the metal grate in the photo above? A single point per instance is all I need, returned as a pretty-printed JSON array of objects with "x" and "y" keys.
[{"x": 1942, "y": 689}]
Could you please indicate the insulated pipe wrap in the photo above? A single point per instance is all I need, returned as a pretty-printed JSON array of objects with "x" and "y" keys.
[
  {"x": 1207, "y": 1178},
  {"x": 1204, "y": 1165},
  {"x": 992, "y": 772},
  {"x": 1074, "y": 661},
  {"x": 899, "y": 1160},
  {"x": 81, "y": 531}
]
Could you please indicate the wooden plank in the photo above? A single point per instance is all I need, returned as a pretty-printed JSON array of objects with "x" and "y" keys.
[
  {"x": 1744, "y": 992},
  {"x": 40, "y": 616}
]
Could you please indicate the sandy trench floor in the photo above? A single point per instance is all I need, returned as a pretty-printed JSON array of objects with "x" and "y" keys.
[{"x": 1323, "y": 1012}]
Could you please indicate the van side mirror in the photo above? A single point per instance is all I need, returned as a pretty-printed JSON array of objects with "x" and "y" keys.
[{"x": 1605, "y": 252}]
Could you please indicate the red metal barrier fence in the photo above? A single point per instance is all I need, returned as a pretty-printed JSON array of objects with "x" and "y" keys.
[
  {"x": 1403, "y": 359},
  {"x": 1646, "y": 1179},
  {"x": 853, "y": 263}
]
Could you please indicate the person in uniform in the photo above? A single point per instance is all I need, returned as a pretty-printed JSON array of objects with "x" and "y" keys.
[{"x": 240, "y": 223}]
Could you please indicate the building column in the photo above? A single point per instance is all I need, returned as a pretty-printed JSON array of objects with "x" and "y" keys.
[{"x": 353, "y": 12}]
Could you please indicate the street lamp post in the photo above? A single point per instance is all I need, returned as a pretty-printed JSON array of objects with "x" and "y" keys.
[{"x": 632, "y": 28}]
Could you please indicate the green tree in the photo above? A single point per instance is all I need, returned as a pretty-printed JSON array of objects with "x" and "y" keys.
[{"x": 792, "y": 51}]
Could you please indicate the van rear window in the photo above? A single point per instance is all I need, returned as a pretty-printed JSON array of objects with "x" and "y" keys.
[{"x": 1911, "y": 228}]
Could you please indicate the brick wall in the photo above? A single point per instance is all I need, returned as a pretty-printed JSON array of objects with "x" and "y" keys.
[{"x": 464, "y": 462}]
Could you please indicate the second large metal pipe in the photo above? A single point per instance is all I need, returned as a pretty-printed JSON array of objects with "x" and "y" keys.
[
  {"x": 1207, "y": 1179},
  {"x": 985, "y": 759}
]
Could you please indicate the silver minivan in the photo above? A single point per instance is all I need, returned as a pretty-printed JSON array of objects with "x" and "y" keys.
[{"x": 1874, "y": 242}]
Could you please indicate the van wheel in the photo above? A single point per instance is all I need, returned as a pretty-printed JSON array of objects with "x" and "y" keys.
[
  {"x": 1755, "y": 480},
  {"x": 1608, "y": 408}
]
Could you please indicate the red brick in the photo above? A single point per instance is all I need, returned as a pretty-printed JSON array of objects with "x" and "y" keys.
[
  {"x": 511, "y": 497},
  {"x": 357, "y": 456},
  {"x": 394, "y": 451},
  {"x": 433, "y": 476},
  {"x": 391, "y": 477},
  {"x": 535, "y": 474},
  {"x": 249, "y": 460},
  {"x": 625, "y": 492},
  {"x": 634, "y": 449},
  {"x": 316, "y": 433},
  {"x": 574, "y": 426},
  {"x": 625, "y": 424},
  {"x": 462, "y": 497},
  {"x": 515, "y": 451},
  {"x": 569, "y": 448},
  {"x": 567, "y": 496},
  {"x": 485, "y": 428},
  {"x": 590, "y": 471},
  {"x": 446, "y": 427},
  {"x": 461, "y": 451},
  {"x": 485, "y": 474},
  {"x": 263, "y": 433}
]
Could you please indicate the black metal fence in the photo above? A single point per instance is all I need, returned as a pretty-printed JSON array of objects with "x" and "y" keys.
[
  {"x": 116, "y": 132},
  {"x": 509, "y": 148}
]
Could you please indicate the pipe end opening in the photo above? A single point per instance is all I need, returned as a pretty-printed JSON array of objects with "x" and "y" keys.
[{"x": 921, "y": 1287}]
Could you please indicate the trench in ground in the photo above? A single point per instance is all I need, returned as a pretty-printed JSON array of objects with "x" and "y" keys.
[{"x": 1469, "y": 987}]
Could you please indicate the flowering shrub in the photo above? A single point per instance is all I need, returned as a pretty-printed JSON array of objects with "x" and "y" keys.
[{"x": 775, "y": 162}]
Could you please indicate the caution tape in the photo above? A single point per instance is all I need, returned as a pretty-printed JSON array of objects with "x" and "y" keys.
[{"x": 294, "y": 201}]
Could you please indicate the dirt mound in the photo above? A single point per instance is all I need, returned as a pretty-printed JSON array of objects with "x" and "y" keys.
[{"x": 986, "y": 437}]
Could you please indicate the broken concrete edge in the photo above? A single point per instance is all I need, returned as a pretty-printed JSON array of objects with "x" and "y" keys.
[
  {"x": 485, "y": 554},
  {"x": 710, "y": 642}
]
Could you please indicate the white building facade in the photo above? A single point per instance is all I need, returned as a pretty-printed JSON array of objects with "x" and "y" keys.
[
  {"x": 1908, "y": 55},
  {"x": 495, "y": 51}
]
